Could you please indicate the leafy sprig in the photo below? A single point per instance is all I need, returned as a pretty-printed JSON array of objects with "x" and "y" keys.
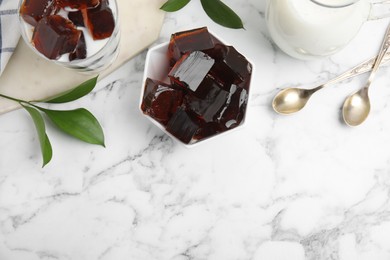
[
  {"x": 215, "y": 9},
  {"x": 79, "y": 123}
]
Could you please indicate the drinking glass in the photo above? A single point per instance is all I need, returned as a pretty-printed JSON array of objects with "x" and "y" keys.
[{"x": 99, "y": 61}]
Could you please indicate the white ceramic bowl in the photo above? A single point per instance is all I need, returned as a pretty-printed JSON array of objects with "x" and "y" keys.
[{"x": 157, "y": 68}]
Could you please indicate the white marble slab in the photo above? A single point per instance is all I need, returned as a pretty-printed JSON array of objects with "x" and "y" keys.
[
  {"x": 302, "y": 187},
  {"x": 30, "y": 77}
]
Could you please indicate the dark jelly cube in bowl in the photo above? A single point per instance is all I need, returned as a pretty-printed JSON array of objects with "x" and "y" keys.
[
  {"x": 160, "y": 101},
  {"x": 234, "y": 110},
  {"x": 188, "y": 41},
  {"x": 209, "y": 82},
  {"x": 32, "y": 11},
  {"x": 76, "y": 18},
  {"x": 218, "y": 52},
  {"x": 182, "y": 126},
  {"x": 81, "y": 49},
  {"x": 206, "y": 130},
  {"x": 191, "y": 69},
  {"x": 54, "y": 36},
  {"x": 208, "y": 107},
  {"x": 99, "y": 20},
  {"x": 237, "y": 63},
  {"x": 230, "y": 66}
]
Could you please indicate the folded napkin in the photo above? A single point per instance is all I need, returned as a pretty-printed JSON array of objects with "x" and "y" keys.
[{"x": 9, "y": 30}]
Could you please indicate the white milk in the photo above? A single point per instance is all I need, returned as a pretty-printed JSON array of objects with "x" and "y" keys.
[
  {"x": 93, "y": 46},
  {"x": 306, "y": 30}
]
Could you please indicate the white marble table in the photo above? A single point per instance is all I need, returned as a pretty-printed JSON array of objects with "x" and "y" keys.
[{"x": 283, "y": 188}]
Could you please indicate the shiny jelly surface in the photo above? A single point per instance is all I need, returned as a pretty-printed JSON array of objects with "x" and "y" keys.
[
  {"x": 99, "y": 20},
  {"x": 190, "y": 70},
  {"x": 188, "y": 41},
  {"x": 81, "y": 49},
  {"x": 182, "y": 126},
  {"x": 54, "y": 36},
  {"x": 32, "y": 11},
  {"x": 213, "y": 80},
  {"x": 76, "y": 18},
  {"x": 160, "y": 100}
]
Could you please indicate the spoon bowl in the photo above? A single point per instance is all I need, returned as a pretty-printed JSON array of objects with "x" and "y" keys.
[
  {"x": 356, "y": 108},
  {"x": 291, "y": 100}
]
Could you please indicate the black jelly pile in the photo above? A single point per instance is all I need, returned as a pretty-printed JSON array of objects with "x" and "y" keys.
[{"x": 208, "y": 90}]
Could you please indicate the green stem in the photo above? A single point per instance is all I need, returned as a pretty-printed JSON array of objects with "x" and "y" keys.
[
  {"x": 20, "y": 101},
  {"x": 14, "y": 99}
]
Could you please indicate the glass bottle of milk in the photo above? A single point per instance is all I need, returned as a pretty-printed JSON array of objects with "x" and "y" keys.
[{"x": 309, "y": 29}]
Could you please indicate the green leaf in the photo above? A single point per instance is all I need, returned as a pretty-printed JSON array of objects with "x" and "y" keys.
[
  {"x": 174, "y": 5},
  {"x": 79, "y": 123},
  {"x": 46, "y": 149},
  {"x": 222, "y": 14},
  {"x": 76, "y": 93}
]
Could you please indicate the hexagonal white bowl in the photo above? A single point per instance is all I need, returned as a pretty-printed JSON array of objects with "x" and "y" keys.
[{"x": 157, "y": 68}]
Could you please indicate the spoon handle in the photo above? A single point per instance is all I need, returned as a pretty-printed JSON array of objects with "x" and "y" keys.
[
  {"x": 363, "y": 67},
  {"x": 383, "y": 50}
]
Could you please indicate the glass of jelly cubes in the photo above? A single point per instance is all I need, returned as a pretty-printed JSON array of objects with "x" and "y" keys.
[
  {"x": 196, "y": 87},
  {"x": 82, "y": 35}
]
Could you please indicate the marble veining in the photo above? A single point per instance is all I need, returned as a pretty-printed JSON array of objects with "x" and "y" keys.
[{"x": 282, "y": 188}]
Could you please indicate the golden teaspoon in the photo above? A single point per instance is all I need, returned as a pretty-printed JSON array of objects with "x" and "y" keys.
[
  {"x": 357, "y": 106},
  {"x": 292, "y": 100}
]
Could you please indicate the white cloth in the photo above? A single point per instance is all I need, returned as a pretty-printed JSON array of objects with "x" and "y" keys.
[{"x": 9, "y": 30}]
